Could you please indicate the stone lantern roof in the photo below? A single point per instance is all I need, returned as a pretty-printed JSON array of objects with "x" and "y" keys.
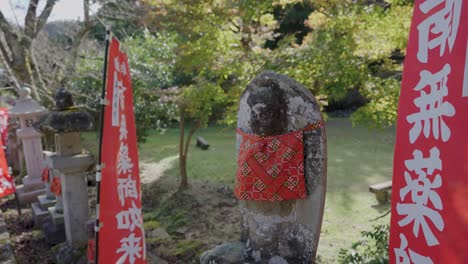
[
  {"x": 65, "y": 118},
  {"x": 26, "y": 106}
]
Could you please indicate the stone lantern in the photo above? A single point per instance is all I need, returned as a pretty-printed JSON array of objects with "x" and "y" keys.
[
  {"x": 28, "y": 111},
  {"x": 70, "y": 164}
]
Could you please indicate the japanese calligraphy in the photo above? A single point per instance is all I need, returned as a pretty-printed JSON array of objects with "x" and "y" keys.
[
  {"x": 130, "y": 248},
  {"x": 129, "y": 219},
  {"x": 422, "y": 190},
  {"x": 118, "y": 99},
  {"x": 126, "y": 188},
  {"x": 432, "y": 107},
  {"x": 439, "y": 29},
  {"x": 124, "y": 162},
  {"x": 123, "y": 128},
  {"x": 402, "y": 256}
]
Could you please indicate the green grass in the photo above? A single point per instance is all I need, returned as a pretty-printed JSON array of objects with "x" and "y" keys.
[
  {"x": 218, "y": 164},
  {"x": 357, "y": 157}
]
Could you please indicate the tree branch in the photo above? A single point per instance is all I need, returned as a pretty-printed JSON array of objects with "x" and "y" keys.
[
  {"x": 5, "y": 55},
  {"x": 86, "y": 11},
  {"x": 41, "y": 21},
  {"x": 10, "y": 73},
  {"x": 30, "y": 20},
  {"x": 4, "y": 25},
  {"x": 10, "y": 37},
  {"x": 77, "y": 40}
]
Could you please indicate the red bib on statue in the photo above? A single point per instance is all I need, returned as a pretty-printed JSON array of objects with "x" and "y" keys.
[{"x": 271, "y": 168}]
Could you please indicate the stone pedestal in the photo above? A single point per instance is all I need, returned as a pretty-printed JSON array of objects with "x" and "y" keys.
[
  {"x": 75, "y": 197},
  {"x": 72, "y": 172}
]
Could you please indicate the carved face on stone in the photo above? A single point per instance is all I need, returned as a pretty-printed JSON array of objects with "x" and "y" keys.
[
  {"x": 63, "y": 99},
  {"x": 268, "y": 108}
]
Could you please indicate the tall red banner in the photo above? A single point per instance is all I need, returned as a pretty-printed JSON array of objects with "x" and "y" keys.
[
  {"x": 121, "y": 234},
  {"x": 430, "y": 180},
  {"x": 7, "y": 184}
]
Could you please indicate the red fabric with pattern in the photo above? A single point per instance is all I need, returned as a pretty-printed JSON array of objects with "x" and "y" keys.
[
  {"x": 45, "y": 175},
  {"x": 55, "y": 186},
  {"x": 272, "y": 168}
]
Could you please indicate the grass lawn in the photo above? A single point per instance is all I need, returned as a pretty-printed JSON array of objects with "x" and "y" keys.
[{"x": 357, "y": 157}]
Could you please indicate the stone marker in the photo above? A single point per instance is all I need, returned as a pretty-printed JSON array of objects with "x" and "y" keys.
[
  {"x": 14, "y": 152},
  {"x": 29, "y": 111},
  {"x": 70, "y": 164},
  {"x": 281, "y": 231}
]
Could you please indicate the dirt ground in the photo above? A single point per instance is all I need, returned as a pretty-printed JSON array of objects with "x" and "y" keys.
[{"x": 196, "y": 220}]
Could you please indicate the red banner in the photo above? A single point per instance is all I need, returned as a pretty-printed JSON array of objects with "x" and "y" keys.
[
  {"x": 3, "y": 125},
  {"x": 121, "y": 235},
  {"x": 430, "y": 180},
  {"x": 7, "y": 184}
]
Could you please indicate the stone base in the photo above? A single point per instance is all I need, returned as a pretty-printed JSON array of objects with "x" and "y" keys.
[
  {"x": 55, "y": 234},
  {"x": 57, "y": 218},
  {"x": 44, "y": 202},
  {"x": 32, "y": 184},
  {"x": 26, "y": 197},
  {"x": 40, "y": 215}
]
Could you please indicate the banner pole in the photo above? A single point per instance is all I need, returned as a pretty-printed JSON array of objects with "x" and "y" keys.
[{"x": 101, "y": 128}]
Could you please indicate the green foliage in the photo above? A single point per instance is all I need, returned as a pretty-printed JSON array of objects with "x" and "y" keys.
[
  {"x": 217, "y": 47},
  {"x": 151, "y": 58},
  {"x": 382, "y": 31},
  {"x": 381, "y": 111},
  {"x": 200, "y": 99},
  {"x": 373, "y": 249}
]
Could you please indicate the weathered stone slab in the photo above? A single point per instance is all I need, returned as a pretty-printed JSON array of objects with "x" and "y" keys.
[
  {"x": 45, "y": 202},
  {"x": 56, "y": 217},
  {"x": 39, "y": 214},
  {"x": 28, "y": 197},
  {"x": 288, "y": 231}
]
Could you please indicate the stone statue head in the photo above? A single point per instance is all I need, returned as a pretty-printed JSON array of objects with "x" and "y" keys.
[
  {"x": 63, "y": 99},
  {"x": 269, "y": 107}
]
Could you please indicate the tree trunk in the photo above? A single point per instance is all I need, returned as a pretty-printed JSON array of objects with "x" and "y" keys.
[
  {"x": 184, "y": 145},
  {"x": 182, "y": 158}
]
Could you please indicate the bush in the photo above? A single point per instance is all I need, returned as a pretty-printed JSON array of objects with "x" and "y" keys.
[{"x": 372, "y": 249}]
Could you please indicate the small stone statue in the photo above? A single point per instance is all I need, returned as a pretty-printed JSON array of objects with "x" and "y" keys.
[
  {"x": 63, "y": 100},
  {"x": 66, "y": 118},
  {"x": 281, "y": 218}
]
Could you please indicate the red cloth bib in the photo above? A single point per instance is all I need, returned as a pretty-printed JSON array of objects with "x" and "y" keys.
[
  {"x": 272, "y": 168},
  {"x": 55, "y": 186}
]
